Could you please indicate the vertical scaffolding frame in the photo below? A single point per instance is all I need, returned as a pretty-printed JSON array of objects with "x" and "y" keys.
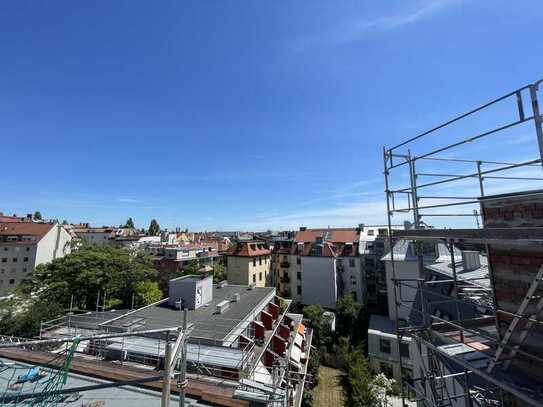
[{"x": 432, "y": 389}]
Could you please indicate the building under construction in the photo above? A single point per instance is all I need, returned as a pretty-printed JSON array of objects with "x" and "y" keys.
[
  {"x": 472, "y": 188},
  {"x": 221, "y": 344}
]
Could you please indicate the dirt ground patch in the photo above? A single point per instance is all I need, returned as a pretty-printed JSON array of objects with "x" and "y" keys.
[{"x": 330, "y": 391}]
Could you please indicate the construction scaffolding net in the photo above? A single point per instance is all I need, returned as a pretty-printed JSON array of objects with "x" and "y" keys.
[{"x": 36, "y": 385}]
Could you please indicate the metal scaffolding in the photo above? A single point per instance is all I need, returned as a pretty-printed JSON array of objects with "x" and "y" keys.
[{"x": 438, "y": 178}]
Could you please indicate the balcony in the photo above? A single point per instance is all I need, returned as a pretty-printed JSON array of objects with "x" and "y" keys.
[{"x": 285, "y": 264}]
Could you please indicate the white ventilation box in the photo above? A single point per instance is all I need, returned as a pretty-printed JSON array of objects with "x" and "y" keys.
[{"x": 222, "y": 306}]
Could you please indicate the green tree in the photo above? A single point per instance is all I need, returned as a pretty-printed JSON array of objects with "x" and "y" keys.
[
  {"x": 129, "y": 223},
  {"x": 219, "y": 273},
  {"x": 64, "y": 222},
  {"x": 37, "y": 215},
  {"x": 154, "y": 228},
  {"x": 321, "y": 328},
  {"x": 348, "y": 311},
  {"x": 361, "y": 391},
  {"x": 147, "y": 292},
  {"x": 91, "y": 271},
  {"x": 22, "y": 317}
]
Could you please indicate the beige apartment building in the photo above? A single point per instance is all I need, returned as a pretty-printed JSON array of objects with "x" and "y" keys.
[
  {"x": 248, "y": 262},
  {"x": 24, "y": 245}
]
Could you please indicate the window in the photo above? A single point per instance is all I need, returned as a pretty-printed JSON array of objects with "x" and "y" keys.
[
  {"x": 285, "y": 258},
  {"x": 299, "y": 290},
  {"x": 254, "y": 278},
  {"x": 299, "y": 275},
  {"x": 25, "y": 259},
  {"x": 25, "y": 270},
  {"x": 384, "y": 345},
  {"x": 351, "y": 262},
  {"x": 254, "y": 261},
  {"x": 355, "y": 297},
  {"x": 12, "y": 281},
  {"x": 298, "y": 260},
  {"x": 15, "y": 259},
  {"x": 370, "y": 232},
  {"x": 4, "y": 259},
  {"x": 260, "y": 276},
  {"x": 386, "y": 369},
  {"x": 404, "y": 350},
  {"x": 260, "y": 261},
  {"x": 28, "y": 249},
  {"x": 5, "y": 249}
]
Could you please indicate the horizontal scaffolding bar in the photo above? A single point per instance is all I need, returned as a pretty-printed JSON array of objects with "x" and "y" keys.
[
  {"x": 476, "y": 174},
  {"x": 470, "y": 161},
  {"x": 86, "y": 338},
  {"x": 475, "y": 138},
  {"x": 457, "y": 118},
  {"x": 437, "y": 206}
]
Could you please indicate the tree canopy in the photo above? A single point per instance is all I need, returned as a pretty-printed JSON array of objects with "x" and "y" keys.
[
  {"x": 154, "y": 228},
  {"x": 94, "y": 271},
  {"x": 37, "y": 215},
  {"x": 129, "y": 223}
]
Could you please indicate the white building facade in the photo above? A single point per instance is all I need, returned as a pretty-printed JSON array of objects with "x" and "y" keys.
[{"x": 24, "y": 245}]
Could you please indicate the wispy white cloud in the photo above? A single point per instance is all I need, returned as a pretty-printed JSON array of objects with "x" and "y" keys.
[
  {"x": 355, "y": 29},
  {"x": 344, "y": 215},
  {"x": 128, "y": 200}
]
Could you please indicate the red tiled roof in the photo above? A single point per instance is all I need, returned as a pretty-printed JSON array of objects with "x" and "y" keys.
[
  {"x": 249, "y": 249},
  {"x": 25, "y": 229},
  {"x": 336, "y": 235},
  {"x": 13, "y": 219},
  {"x": 329, "y": 249}
]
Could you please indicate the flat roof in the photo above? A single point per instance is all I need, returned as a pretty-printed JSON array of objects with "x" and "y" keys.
[{"x": 206, "y": 323}]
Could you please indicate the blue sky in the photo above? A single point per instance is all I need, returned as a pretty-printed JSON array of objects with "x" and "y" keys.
[{"x": 238, "y": 115}]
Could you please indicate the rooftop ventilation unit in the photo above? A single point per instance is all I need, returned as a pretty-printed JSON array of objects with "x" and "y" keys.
[
  {"x": 251, "y": 286},
  {"x": 471, "y": 260},
  {"x": 236, "y": 297},
  {"x": 222, "y": 306},
  {"x": 222, "y": 284}
]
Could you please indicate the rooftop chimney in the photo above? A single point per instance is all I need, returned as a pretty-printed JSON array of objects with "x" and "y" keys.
[{"x": 471, "y": 260}]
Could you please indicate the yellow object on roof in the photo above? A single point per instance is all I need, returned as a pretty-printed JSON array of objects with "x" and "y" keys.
[{"x": 301, "y": 329}]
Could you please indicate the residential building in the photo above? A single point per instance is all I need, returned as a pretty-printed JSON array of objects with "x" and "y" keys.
[
  {"x": 99, "y": 236},
  {"x": 171, "y": 259},
  {"x": 244, "y": 347},
  {"x": 406, "y": 265},
  {"x": 473, "y": 284},
  {"x": 319, "y": 266},
  {"x": 107, "y": 235},
  {"x": 24, "y": 245},
  {"x": 15, "y": 218},
  {"x": 374, "y": 244},
  {"x": 383, "y": 351},
  {"x": 248, "y": 262}
]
